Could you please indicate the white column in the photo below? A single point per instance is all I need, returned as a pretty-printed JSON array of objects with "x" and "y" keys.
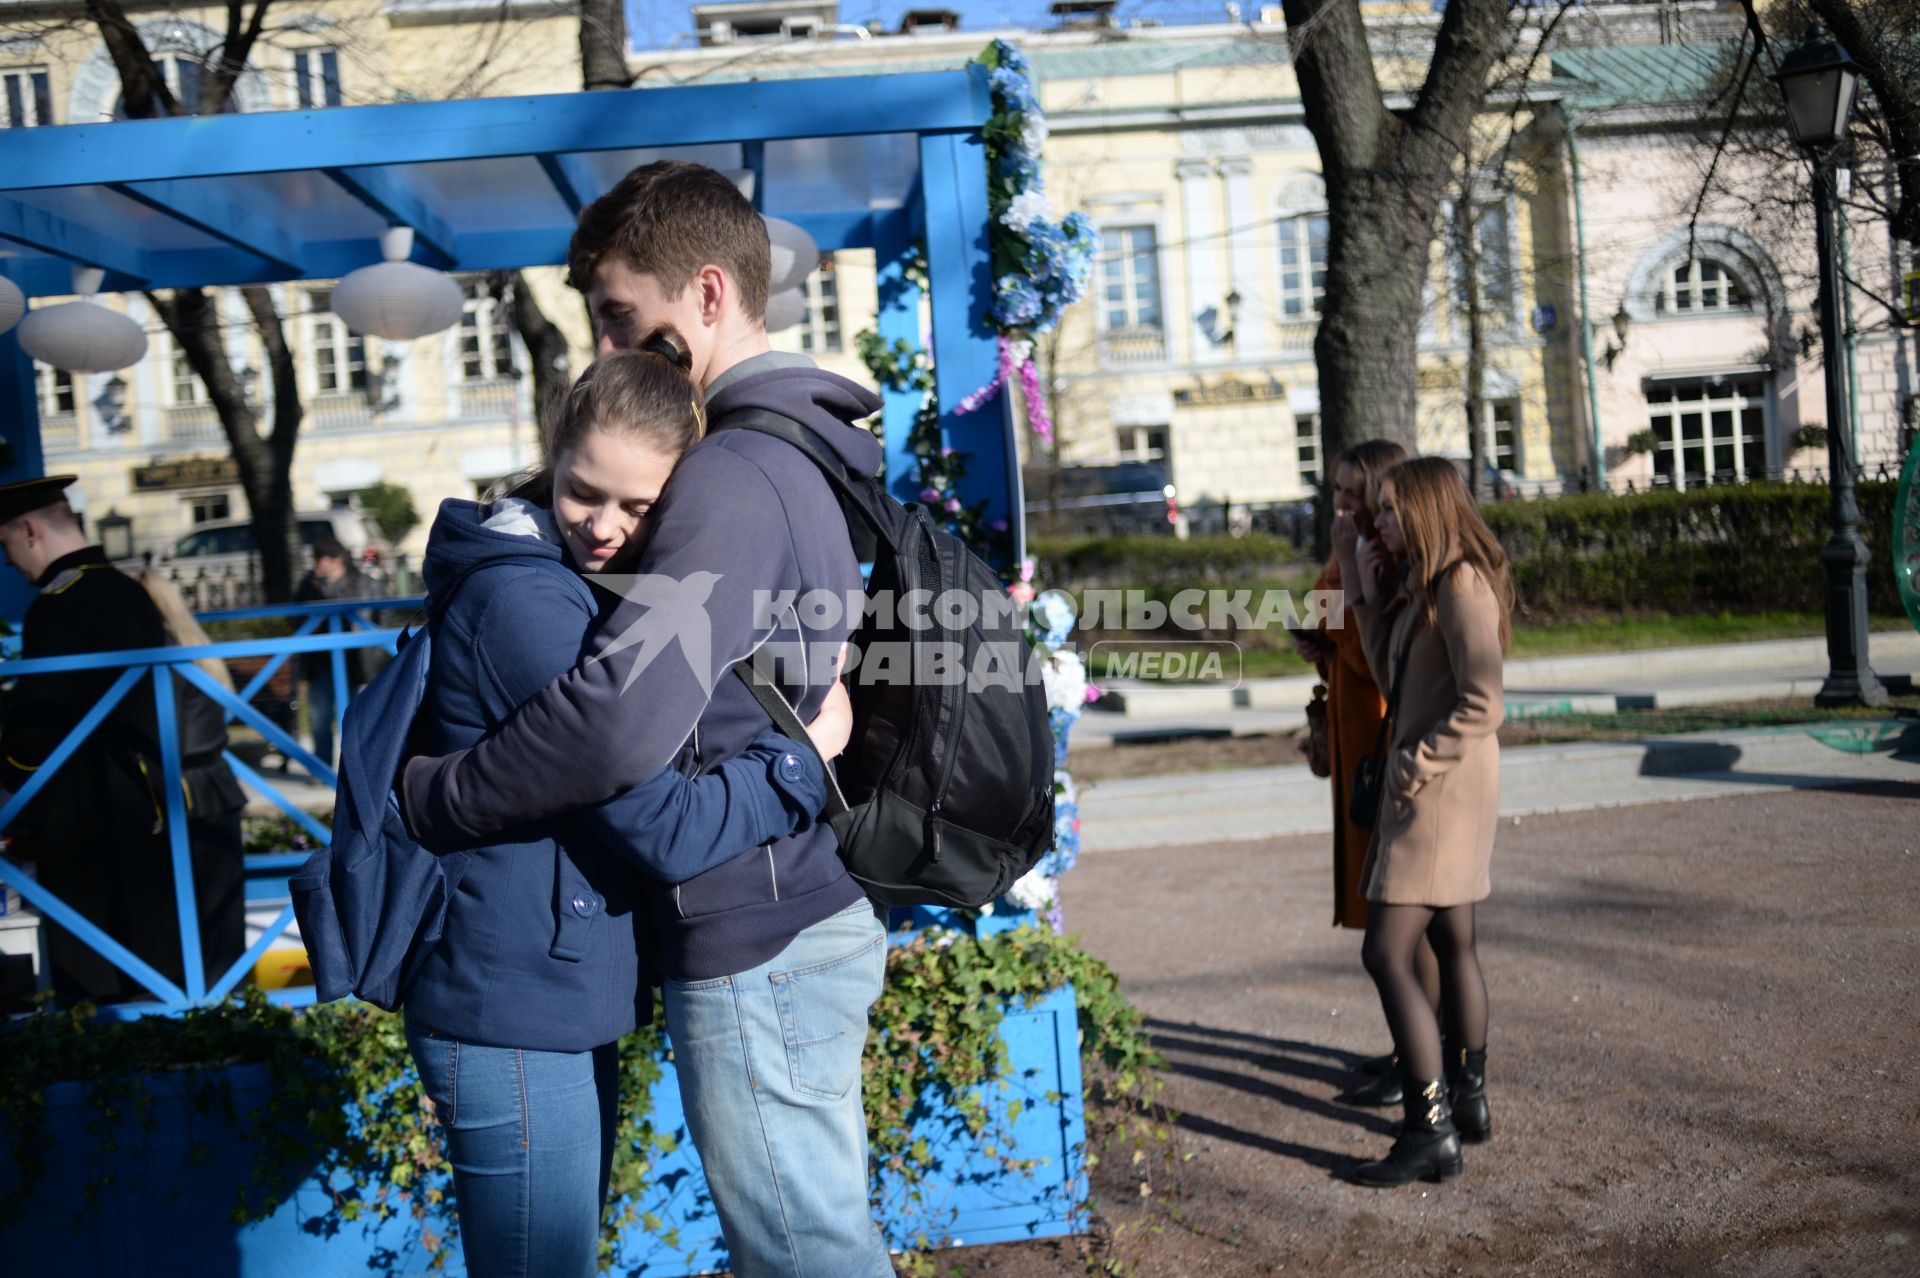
[
  {"x": 1203, "y": 272},
  {"x": 1250, "y": 327},
  {"x": 144, "y": 400}
]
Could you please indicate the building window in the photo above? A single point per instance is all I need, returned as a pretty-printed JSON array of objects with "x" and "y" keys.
[
  {"x": 1303, "y": 266},
  {"x": 316, "y": 78},
  {"x": 820, "y": 326},
  {"x": 339, "y": 355},
  {"x": 486, "y": 336},
  {"x": 1702, "y": 286},
  {"x": 1499, "y": 428},
  {"x": 208, "y": 507},
  {"x": 56, "y": 392},
  {"x": 1306, "y": 433},
  {"x": 183, "y": 74},
  {"x": 1130, "y": 273},
  {"x": 29, "y": 97},
  {"x": 1711, "y": 429},
  {"x": 1142, "y": 443},
  {"x": 184, "y": 386},
  {"x": 1493, "y": 251}
]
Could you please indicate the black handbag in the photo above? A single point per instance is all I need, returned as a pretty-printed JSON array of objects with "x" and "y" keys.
[{"x": 1370, "y": 777}]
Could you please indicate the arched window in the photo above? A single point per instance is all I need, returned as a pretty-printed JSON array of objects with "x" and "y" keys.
[
  {"x": 1702, "y": 286},
  {"x": 183, "y": 73}
]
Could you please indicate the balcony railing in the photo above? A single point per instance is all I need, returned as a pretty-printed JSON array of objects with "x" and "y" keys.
[
  {"x": 1141, "y": 344},
  {"x": 339, "y": 412},
  {"x": 194, "y": 424},
  {"x": 60, "y": 430},
  {"x": 489, "y": 400}
]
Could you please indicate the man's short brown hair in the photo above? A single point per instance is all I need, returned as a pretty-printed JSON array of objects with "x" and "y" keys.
[{"x": 668, "y": 219}]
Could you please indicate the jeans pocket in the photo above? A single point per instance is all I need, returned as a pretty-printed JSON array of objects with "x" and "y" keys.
[{"x": 823, "y": 1018}]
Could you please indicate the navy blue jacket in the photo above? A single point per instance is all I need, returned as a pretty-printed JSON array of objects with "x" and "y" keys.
[
  {"x": 746, "y": 530},
  {"x": 544, "y": 947}
]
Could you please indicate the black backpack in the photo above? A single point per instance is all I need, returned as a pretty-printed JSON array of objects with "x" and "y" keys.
[{"x": 946, "y": 788}]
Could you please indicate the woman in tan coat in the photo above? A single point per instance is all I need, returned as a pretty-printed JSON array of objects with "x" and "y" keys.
[
  {"x": 1355, "y": 709},
  {"x": 1438, "y": 645}
]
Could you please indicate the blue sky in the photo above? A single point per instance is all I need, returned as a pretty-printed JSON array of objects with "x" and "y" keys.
[{"x": 652, "y": 23}]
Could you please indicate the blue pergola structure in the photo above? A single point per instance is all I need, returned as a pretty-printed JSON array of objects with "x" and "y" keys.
[{"x": 495, "y": 183}]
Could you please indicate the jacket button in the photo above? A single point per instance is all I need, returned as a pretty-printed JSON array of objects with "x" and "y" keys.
[
  {"x": 584, "y": 905},
  {"x": 791, "y": 769}
]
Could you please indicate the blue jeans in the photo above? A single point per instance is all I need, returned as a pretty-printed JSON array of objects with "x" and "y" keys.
[
  {"x": 531, "y": 1139},
  {"x": 769, "y": 1066}
]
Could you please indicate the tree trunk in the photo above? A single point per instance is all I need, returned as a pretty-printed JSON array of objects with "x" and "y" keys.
[
  {"x": 603, "y": 44},
  {"x": 1468, "y": 253},
  {"x": 1386, "y": 175},
  {"x": 546, "y": 350},
  {"x": 192, "y": 316}
]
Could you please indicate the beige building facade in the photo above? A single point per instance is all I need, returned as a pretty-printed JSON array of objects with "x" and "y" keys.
[{"x": 1193, "y": 351}]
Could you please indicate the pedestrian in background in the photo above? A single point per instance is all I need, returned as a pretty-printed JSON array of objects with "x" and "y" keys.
[
  {"x": 1438, "y": 644},
  {"x": 1355, "y": 709},
  {"x": 333, "y": 576}
]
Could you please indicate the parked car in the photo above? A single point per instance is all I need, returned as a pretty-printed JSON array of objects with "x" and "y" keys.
[
  {"x": 218, "y": 566},
  {"x": 1125, "y": 498},
  {"x": 229, "y": 542}
]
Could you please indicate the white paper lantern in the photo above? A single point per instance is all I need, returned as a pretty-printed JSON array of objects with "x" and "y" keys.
[
  {"x": 397, "y": 299},
  {"x": 795, "y": 255},
  {"x": 784, "y": 310},
  {"x": 13, "y": 303},
  {"x": 83, "y": 336}
]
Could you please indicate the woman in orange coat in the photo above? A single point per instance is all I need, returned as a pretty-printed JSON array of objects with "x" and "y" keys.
[{"x": 1355, "y": 708}]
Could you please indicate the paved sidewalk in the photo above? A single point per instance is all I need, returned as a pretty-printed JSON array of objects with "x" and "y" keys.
[
  {"x": 1659, "y": 678},
  {"x": 1257, "y": 803}
]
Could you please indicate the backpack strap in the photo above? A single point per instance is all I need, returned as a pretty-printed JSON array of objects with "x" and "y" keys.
[
  {"x": 788, "y": 721},
  {"x": 860, "y": 495}
]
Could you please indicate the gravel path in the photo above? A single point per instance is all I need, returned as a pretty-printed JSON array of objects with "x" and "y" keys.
[{"x": 1702, "y": 1054}]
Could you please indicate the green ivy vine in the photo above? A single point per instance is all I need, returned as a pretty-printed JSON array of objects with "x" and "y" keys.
[{"x": 343, "y": 1105}]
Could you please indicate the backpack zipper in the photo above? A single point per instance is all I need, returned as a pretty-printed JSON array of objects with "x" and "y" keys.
[{"x": 953, "y": 738}]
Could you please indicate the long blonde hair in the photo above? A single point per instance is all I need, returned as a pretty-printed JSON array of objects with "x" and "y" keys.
[
  {"x": 1442, "y": 530},
  {"x": 1371, "y": 459},
  {"x": 180, "y": 623}
]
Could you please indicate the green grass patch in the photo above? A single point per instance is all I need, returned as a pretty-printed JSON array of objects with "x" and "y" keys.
[{"x": 1632, "y": 725}]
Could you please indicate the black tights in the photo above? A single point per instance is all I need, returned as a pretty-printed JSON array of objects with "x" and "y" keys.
[{"x": 1393, "y": 934}]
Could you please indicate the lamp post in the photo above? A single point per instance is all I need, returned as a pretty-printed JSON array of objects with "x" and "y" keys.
[{"x": 1818, "y": 81}]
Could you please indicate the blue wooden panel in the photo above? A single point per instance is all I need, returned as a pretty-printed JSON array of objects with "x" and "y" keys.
[
  {"x": 232, "y": 214},
  {"x": 394, "y": 198},
  {"x": 194, "y": 1159},
  {"x": 898, "y": 320},
  {"x": 20, "y": 409},
  {"x": 424, "y": 132},
  {"x": 574, "y": 180},
  {"x": 953, "y": 176},
  {"x": 50, "y": 233}
]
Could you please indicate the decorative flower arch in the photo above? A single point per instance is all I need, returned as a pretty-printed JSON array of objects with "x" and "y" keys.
[{"x": 96, "y": 87}]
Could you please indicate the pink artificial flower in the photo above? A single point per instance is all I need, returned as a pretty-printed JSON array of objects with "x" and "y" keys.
[{"x": 931, "y": 496}]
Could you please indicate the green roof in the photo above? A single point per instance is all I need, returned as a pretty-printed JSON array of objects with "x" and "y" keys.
[{"x": 1643, "y": 75}]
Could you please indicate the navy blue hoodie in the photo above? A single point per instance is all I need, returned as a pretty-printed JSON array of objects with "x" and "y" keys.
[
  {"x": 746, "y": 521},
  {"x": 542, "y": 947}
]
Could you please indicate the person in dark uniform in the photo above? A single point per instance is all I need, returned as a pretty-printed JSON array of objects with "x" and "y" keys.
[{"x": 99, "y": 827}]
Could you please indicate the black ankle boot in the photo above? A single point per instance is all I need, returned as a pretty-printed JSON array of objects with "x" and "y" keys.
[
  {"x": 1428, "y": 1146},
  {"x": 1376, "y": 1091},
  {"x": 1467, "y": 1095}
]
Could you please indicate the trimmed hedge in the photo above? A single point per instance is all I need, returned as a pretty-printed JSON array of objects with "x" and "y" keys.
[
  {"x": 1744, "y": 548},
  {"x": 1734, "y": 548},
  {"x": 1164, "y": 562}
]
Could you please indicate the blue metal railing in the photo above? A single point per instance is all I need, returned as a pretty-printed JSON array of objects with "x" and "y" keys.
[{"x": 348, "y": 624}]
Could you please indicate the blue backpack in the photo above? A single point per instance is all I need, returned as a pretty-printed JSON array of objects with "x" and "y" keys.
[{"x": 372, "y": 904}]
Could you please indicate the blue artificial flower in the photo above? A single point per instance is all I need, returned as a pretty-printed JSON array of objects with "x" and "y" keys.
[
  {"x": 1017, "y": 303},
  {"x": 1010, "y": 57},
  {"x": 1012, "y": 91}
]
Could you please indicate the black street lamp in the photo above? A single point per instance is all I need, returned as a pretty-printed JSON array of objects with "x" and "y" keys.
[{"x": 1818, "y": 80}]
